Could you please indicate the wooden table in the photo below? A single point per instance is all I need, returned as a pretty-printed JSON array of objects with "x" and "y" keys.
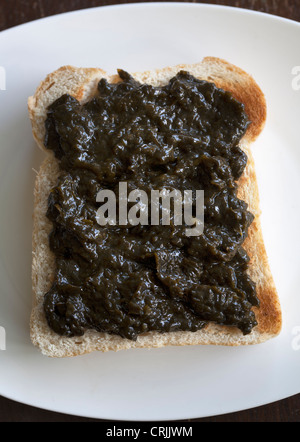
[{"x": 16, "y": 12}]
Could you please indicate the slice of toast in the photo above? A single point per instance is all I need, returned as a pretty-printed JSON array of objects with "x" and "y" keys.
[{"x": 82, "y": 84}]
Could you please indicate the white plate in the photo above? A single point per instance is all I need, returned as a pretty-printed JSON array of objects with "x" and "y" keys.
[{"x": 170, "y": 383}]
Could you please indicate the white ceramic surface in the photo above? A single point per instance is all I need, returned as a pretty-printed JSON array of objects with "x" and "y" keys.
[{"x": 170, "y": 383}]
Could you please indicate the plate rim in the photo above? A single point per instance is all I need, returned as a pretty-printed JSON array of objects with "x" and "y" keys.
[{"x": 154, "y": 4}]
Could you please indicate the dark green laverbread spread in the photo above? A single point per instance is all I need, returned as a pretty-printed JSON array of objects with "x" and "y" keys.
[{"x": 129, "y": 280}]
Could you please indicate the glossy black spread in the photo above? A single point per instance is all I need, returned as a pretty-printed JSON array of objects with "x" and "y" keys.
[{"x": 130, "y": 280}]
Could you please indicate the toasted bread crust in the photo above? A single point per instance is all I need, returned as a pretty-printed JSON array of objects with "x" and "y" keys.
[{"x": 82, "y": 83}]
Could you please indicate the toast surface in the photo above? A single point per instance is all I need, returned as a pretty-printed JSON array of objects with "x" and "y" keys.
[{"x": 82, "y": 83}]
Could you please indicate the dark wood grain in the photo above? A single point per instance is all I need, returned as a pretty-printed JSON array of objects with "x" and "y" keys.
[
  {"x": 287, "y": 410},
  {"x": 16, "y": 12}
]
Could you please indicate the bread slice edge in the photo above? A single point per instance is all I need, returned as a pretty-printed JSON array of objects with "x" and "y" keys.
[{"x": 82, "y": 84}]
